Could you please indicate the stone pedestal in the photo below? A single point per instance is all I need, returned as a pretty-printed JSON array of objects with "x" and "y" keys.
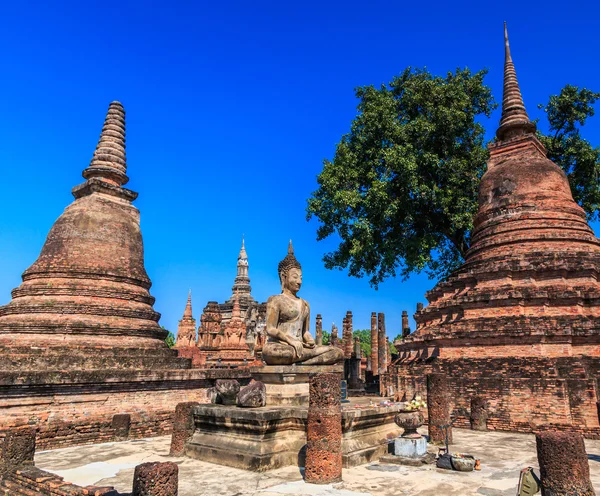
[
  {"x": 287, "y": 385},
  {"x": 410, "y": 448}
]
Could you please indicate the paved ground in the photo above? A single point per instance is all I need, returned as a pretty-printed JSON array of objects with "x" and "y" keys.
[{"x": 502, "y": 456}]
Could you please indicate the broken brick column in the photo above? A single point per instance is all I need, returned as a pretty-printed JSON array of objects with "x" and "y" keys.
[
  {"x": 374, "y": 347},
  {"x": 324, "y": 429},
  {"x": 156, "y": 479},
  {"x": 347, "y": 334},
  {"x": 382, "y": 358},
  {"x": 564, "y": 467},
  {"x": 438, "y": 406},
  {"x": 479, "y": 414},
  {"x": 183, "y": 426},
  {"x": 405, "y": 326},
  {"x": 18, "y": 448},
  {"x": 319, "y": 330}
]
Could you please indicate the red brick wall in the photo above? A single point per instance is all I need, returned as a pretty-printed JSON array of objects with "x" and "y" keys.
[
  {"x": 77, "y": 414},
  {"x": 523, "y": 394}
]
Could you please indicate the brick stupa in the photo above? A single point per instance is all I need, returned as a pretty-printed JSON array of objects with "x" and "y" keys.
[
  {"x": 89, "y": 286},
  {"x": 80, "y": 341},
  {"x": 519, "y": 321}
]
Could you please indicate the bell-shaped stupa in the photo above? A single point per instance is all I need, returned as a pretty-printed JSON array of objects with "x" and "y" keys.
[
  {"x": 89, "y": 287},
  {"x": 517, "y": 326}
]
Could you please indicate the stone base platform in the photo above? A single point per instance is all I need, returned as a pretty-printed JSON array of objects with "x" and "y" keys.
[
  {"x": 267, "y": 438},
  {"x": 287, "y": 385}
]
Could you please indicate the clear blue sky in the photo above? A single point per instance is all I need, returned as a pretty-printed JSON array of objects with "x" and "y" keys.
[{"x": 231, "y": 108}]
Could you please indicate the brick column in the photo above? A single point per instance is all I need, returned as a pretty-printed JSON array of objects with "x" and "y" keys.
[
  {"x": 564, "y": 467},
  {"x": 18, "y": 448},
  {"x": 382, "y": 358},
  {"x": 183, "y": 427},
  {"x": 156, "y": 479},
  {"x": 479, "y": 414},
  {"x": 319, "y": 330},
  {"x": 348, "y": 335},
  {"x": 121, "y": 423},
  {"x": 374, "y": 348},
  {"x": 333, "y": 341},
  {"x": 324, "y": 430},
  {"x": 405, "y": 326},
  {"x": 438, "y": 407}
]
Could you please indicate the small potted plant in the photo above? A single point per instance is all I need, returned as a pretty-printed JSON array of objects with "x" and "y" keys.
[{"x": 410, "y": 418}]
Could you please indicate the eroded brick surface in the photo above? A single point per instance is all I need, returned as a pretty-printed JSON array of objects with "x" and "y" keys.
[
  {"x": 564, "y": 466},
  {"x": 324, "y": 430},
  {"x": 156, "y": 479}
]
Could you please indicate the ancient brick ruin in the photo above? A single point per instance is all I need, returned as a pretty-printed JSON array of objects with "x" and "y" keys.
[
  {"x": 80, "y": 341},
  {"x": 518, "y": 324}
]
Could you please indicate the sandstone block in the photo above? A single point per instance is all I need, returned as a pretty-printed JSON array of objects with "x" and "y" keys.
[
  {"x": 156, "y": 479},
  {"x": 253, "y": 395},
  {"x": 227, "y": 391}
]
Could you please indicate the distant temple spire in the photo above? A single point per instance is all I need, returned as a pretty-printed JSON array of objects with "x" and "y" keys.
[
  {"x": 188, "y": 307},
  {"x": 241, "y": 285},
  {"x": 109, "y": 162},
  {"x": 514, "y": 120}
]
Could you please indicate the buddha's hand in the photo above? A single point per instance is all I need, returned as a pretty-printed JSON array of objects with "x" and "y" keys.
[
  {"x": 297, "y": 345},
  {"x": 309, "y": 342}
]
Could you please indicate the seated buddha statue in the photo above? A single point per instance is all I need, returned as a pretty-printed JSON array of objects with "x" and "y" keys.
[{"x": 287, "y": 326}]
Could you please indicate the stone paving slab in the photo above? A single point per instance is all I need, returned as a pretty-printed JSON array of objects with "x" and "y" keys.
[{"x": 502, "y": 456}]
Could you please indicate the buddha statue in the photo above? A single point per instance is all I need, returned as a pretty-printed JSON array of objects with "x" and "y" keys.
[{"x": 287, "y": 326}]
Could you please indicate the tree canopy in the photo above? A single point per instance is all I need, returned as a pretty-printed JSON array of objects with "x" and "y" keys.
[{"x": 401, "y": 190}]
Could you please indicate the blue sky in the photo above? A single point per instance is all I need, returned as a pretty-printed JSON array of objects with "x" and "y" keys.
[{"x": 231, "y": 108}]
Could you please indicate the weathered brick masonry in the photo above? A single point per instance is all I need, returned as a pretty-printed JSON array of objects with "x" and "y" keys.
[
  {"x": 519, "y": 322},
  {"x": 80, "y": 340}
]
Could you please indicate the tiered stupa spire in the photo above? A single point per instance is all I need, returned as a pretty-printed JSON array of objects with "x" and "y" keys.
[
  {"x": 110, "y": 161},
  {"x": 514, "y": 120},
  {"x": 241, "y": 284},
  {"x": 188, "y": 306}
]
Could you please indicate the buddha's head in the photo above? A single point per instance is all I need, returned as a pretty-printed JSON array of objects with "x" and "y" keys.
[{"x": 290, "y": 272}]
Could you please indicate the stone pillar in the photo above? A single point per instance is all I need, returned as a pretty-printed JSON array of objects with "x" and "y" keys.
[
  {"x": 324, "y": 430},
  {"x": 121, "y": 423},
  {"x": 319, "y": 330},
  {"x": 334, "y": 341},
  {"x": 183, "y": 426},
  {"x": 388, "y": 354},
  {"x": 374, "y": 348},
  {"x": 357, "y": 349},
  {"x": 382, "y": 359},
  {"x": 405, "y": 326},
  {"x": 18, "y": 448},
  {"x": 348, "y": 335},
  {"x": 438, "y": 407},
  {"x": 564, "y": 467},
  {"x": 419, "y": 307},
  {"x": 156, "y": 479},
  {"x": 479, "y": 414}
]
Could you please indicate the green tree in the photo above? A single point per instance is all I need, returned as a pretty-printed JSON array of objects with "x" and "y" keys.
[
  {"x": 401, "y": 190},
  {"x": 566, "y": 113},
  {"x": 170, "y": 339}
]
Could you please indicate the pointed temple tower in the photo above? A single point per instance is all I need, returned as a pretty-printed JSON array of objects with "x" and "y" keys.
[
  {"x": 519, "y": 321},
  {"x": 186, "y": 331},
  {"x": 80, "y": 334},
  {"x": 241, "y": 287}
]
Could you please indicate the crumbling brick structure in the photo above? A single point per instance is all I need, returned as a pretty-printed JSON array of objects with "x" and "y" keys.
[
  {"x": 519, "y": 322},
  {"x": 324, "y": 430},
  {"x": 80, "y": 334},
  {"x": 564, "y": 467},
  {"x": 438, "y": 409}
]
